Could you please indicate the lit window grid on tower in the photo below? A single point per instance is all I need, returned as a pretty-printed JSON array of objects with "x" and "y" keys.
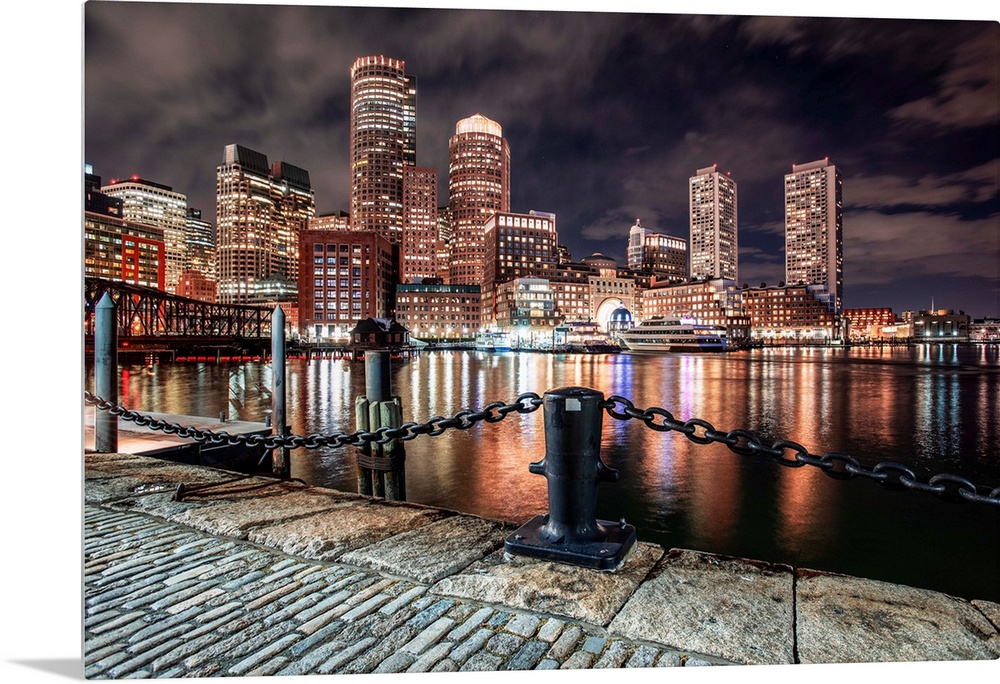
[
  {"x": 159, "y": 206},
  {"x": 478, "y": 186},
  {"x": 419, "y": 248},
  {"x": 516, "y": 246},
  {"x": 383, "y": 142},
  {"x": 713, "y": 217},
  {"x": 814, "y": 228},
  {"x": 243, "y": 220}
]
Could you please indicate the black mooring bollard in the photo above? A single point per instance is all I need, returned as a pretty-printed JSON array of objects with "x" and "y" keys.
[{"x": 570, "y": 532}]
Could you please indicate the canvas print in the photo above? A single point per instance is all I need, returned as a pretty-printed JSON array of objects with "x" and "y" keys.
[{"x": 428, "y": 340}]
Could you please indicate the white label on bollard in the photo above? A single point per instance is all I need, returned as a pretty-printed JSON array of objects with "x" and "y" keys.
[{"x": 572, "y": 404}]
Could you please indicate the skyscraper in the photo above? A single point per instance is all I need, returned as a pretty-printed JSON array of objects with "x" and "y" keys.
[
  {"x": 153, "y": 204},
  {"x": 420, "y": 224},
  {"x": 383, "y": 142},
  {"x": 260, "y": 211},
  {"x": 636, "y": 238},
  {"x": 712, "y": 204},
  {"x": 200, "y": 244},
  {"x": 478, "y": 187},
  {"x": 814, "y": 224}
]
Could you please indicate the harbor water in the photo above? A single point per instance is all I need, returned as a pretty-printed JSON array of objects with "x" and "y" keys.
[{"x": 933, "y": 408}]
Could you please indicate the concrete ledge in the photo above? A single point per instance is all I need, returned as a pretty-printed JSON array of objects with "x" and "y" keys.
[
  {"x": 737, "y": 609},
  {"x": 843, "y": 619},
  {"x": 592, "y": 596}
]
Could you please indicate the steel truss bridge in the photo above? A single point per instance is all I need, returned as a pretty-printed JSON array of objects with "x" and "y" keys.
[{"x": 153, "y": 320}]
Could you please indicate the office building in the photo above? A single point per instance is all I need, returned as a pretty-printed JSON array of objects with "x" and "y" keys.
[
  {"x": 200, "y": 240},
  {"x": 339, "y": 220},
  {"x": 434, "y": 311},
  {"x": 814, "y": 226},
  {"x": 345, "y": 277},
  {"x": 789, "y": 314},
  {"x": 260, "y": 211},
  {"x": 153, "y": 204},
  {"x": 713, "y": 239},
  {"x": 194, "y": 285},
  {"x": 383, "y": 141},
  {"x": 419, "y": 249},
  {"x": 717, "y": 301},
  {"x": 123, "y": 251},
  {"x": 516, "y": 246},
  {"x": 478, "y": 187}
]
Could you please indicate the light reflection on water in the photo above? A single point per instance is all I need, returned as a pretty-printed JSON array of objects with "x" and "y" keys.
[{"x": 934, "y": 408}]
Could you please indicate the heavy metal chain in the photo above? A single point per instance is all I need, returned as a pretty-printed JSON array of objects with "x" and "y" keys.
[
  {"x": 835, "y": 464},
  {"x": 463, "y": 420}
]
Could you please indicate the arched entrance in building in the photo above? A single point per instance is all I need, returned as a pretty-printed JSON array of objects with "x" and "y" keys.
[{"x": 611, "y": 308}]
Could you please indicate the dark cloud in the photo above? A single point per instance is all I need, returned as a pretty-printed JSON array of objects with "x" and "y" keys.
[{"x": 607, "y": 114}]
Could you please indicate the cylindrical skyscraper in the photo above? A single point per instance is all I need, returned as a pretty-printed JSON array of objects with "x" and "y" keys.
[
  {"x": 478, "y": 187},
  {"x": 383, "y": 141}
]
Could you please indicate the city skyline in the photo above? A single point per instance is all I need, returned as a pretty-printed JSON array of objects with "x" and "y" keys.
[{"x": 906, "y": 109}]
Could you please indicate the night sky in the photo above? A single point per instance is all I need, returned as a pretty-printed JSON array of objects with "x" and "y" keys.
[{"x": 607, "y": 116}]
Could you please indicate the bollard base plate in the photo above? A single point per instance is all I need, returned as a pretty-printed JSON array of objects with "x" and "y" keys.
[{"x": 605, "y": 553}]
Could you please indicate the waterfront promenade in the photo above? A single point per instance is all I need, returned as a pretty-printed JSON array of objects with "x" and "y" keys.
[{"x": 194, "y": 571}]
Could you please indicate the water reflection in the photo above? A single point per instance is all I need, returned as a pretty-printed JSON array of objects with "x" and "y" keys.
[{"x": 935, "y": 408}]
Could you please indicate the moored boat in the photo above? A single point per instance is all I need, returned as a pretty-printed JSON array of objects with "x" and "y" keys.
[{"x": 674, "y": 334}]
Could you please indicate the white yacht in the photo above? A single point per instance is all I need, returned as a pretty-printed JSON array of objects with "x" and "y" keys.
[
  {"x": 492, "y": 341},
  {"x": 674, "y": 334}
]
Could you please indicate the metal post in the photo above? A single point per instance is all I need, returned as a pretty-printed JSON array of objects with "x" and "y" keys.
[
  {"x": 377, "y": 385},
  {"x": 380, "y": 467},
  {"x": 281, "y": 463},
  {"x": 570, "y": 532},
  {"x": 106, "y": 373}
]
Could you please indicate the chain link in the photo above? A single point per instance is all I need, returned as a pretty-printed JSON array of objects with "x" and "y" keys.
[
  {"x": 463, "y": 420},
  {"x": 837, "y": 465}
]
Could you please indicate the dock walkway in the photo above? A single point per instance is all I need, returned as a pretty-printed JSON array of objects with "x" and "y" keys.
[{"x": 195, "y": 571}]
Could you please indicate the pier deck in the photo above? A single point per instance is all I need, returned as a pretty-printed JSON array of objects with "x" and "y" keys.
[{"x": 252, "y": 576}]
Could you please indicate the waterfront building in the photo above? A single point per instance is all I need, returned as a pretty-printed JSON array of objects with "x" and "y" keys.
[
  {"x": 124, "y": 251},
  {"x": 788, "y": 314},
  {"x": 570, "y": 282},
  {"x": 869, "y": 323},
  {"x": 478, "y": 187},
  {"x": 516, "y": 246},
  {"x": 194, "y": 284},
  {"x": 526, "y": 309},
  {"x": 814, "y": 227},
  {"x": 200, "y": 239},
  {"x": 260, "y": 211},
  {"x": 434, "y": 311},
  {"x": 154, "y": 204},
  {"x": 563, "y": 254},
  {"x": 419, "y": 248},
  {"x": 717, "y": 302},
  {"x": 344, "y": 277},
  {"x": 941, "y": 325},
  {"x": 383, "y": 141},
  {"x": 713, "y": 222}
]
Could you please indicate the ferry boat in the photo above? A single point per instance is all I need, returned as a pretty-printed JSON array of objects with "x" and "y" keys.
[
  {"x": 674, "y": 334},
  {"x": 495, "y": 341},
  {"x": 582, "y": 337}
]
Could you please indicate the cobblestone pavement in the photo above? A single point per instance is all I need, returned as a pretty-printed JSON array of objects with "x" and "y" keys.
[{"x": 165, "y": 600}]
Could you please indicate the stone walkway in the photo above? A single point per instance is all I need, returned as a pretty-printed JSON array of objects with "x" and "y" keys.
[{"x": 232, "y": 576}]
